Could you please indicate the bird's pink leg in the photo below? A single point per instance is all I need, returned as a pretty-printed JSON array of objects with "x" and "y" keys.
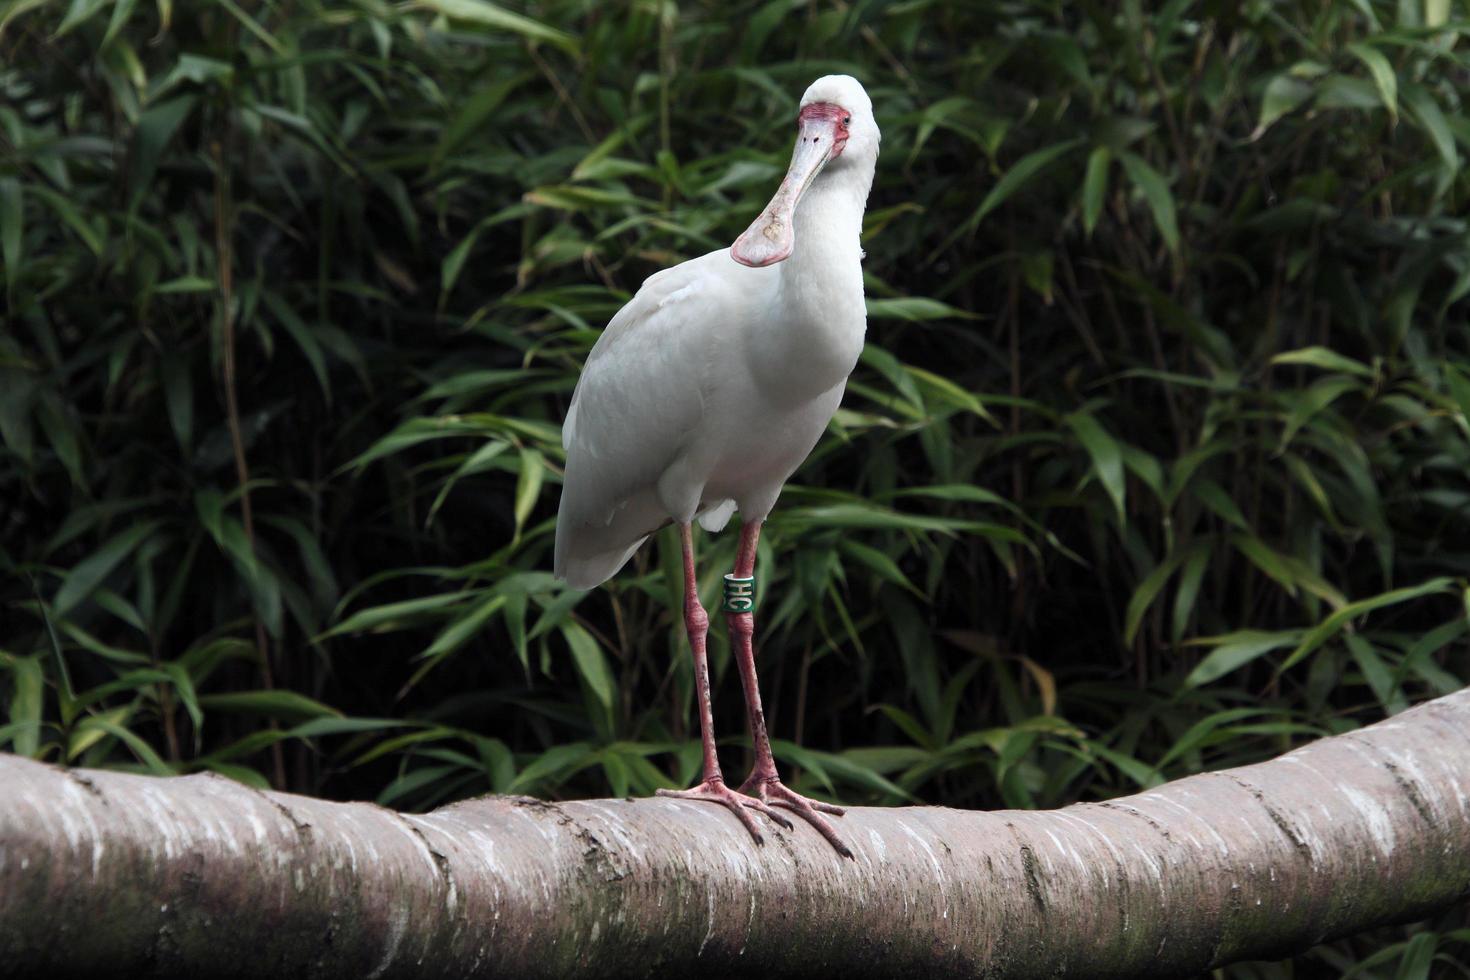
[
  {"x": 713, "y": 788},
  {"x": 764, "y": 783}
]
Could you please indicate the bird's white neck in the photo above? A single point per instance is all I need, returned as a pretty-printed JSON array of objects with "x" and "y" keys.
[
  {"x": 813, "y": 343},
  {"x": 829, "y": 227}
]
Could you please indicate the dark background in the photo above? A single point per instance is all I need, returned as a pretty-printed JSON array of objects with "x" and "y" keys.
[{"x": 1155, "y": 463}]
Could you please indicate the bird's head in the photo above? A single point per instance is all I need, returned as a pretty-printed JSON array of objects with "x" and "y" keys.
[{"x": 835, "y": 130}]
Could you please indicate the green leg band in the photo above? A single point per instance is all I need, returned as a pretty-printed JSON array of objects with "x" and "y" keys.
[{"x": 739, "y": 594}]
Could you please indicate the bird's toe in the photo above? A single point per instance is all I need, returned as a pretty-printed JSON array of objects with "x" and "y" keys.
[
  {"x": 737, "y": 803},
  {"x": 765, "y": 808},
  {"x": 775, "y": 794}
]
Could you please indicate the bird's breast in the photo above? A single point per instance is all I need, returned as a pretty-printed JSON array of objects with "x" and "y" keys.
[
  {"x": 760, "y": 445},
  {"x": 810, "y": 340}
]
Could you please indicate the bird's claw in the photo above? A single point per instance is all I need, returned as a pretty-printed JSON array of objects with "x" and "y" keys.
[
  {"x": 770, "y": 789},
  {"x": 715, "y": 791}
]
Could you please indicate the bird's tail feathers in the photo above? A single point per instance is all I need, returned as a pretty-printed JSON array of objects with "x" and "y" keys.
[
  {"x": 716, "y": 517},
  {"x": 590, "y": 571}
]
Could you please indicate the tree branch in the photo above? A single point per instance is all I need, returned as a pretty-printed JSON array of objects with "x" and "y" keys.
[{"x": 115, "y": 873}]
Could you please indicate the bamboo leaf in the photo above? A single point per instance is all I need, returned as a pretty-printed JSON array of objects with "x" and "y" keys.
[
  {"x": 131, "y": 739},
  {"x": 528, "y": 486},
  {"x": 156, "y": 127},
  {"x": 1324, "y": 358},
  {"x": 1095, "y": 187},
  {"x": 914, "y": 309},
  {"x": 1233, "y": 651},
  {"x": 1018, "y": 176},
  {"x": 471, "y": 115},
  {"x": 1156, "y": 192},
  {"x": 1283, "y": 94},
  {"x": 1429, "y": 117},
  {"x": 78, "y": 13},
  {"x": 288, "y": 706},
  {"x": 72, "y": 218},
  {"x": 591, "y": 663},
  {"x": 464, "y": 628},
  {"x": 1383, "y": 74},
  {"x": 12, "y": 228},
  {"x": 1334, "y": 623},
  {"x": 498, "y": 18},
  {"x": 26, "y": 704},
  {"x": 1143, "y": 596},
  {"x": 1107, "y": 457},
  {"x": 88, "y": 574},
  {"x": 394, "y": 615},
  {"x": 1459, "y": 385}
]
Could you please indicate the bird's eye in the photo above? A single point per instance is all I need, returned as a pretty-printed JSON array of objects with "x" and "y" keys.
[{"x": 847, "y": 120}]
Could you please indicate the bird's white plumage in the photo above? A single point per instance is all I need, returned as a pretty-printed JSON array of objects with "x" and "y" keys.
[{"x": 709, "y": 388}]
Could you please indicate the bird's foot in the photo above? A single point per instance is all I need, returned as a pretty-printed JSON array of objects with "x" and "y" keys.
[
  {"x": 769, "y": 789},
  {"x": 715, "y": 791}
]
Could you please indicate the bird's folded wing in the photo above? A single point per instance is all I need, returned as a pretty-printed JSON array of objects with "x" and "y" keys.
[{"x": 642, "y": 393}]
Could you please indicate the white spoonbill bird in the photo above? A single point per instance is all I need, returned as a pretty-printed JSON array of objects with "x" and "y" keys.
[{"x": 707, "y": 391}]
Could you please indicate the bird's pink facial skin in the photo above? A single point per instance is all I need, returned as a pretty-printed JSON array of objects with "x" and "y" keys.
[
  {"x": 833, "y": 113},
  {"x": 821, "y": 136}
]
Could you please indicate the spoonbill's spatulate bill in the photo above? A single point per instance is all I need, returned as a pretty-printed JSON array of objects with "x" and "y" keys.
[{"x": 710, "y": 387}]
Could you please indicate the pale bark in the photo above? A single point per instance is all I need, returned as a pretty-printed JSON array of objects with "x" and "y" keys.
[{"x": 105, "y": 873}]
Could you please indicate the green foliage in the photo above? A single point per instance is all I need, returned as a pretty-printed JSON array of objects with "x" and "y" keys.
[{"x": 1154, "y": 463}]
